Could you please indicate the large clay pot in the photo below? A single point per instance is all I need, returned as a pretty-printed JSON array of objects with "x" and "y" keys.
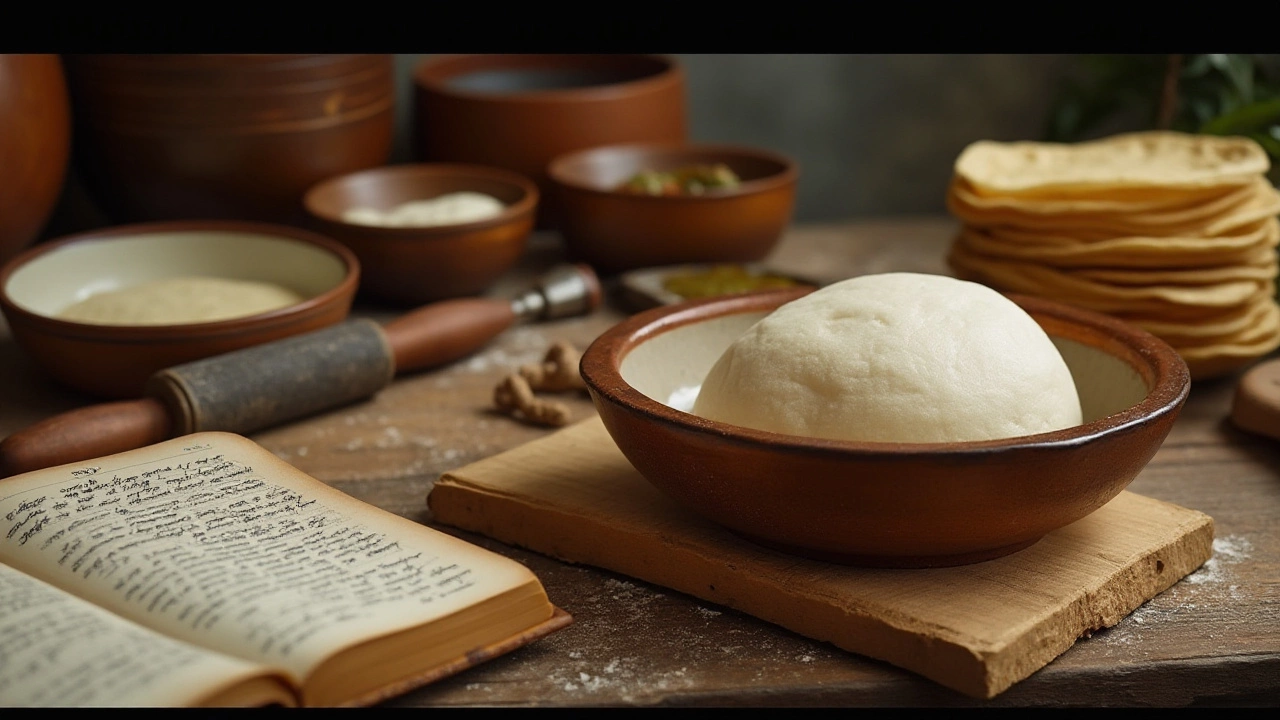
[
  {"x": 521, "y": 111},
  {"x": 35, "y": 145},
  {"x": 241, "y": 137}
]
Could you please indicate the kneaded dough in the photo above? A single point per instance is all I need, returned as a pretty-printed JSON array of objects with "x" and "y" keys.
[
  {"x": 894, "y": 357},
  {"x": 180, "y": 300}
]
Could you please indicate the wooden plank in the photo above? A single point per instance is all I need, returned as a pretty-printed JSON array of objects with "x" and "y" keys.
[{"x": 977, "y": 629}]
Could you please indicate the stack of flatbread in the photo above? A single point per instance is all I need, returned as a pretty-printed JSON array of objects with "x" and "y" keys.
[{"x": 1175, "y": 233}]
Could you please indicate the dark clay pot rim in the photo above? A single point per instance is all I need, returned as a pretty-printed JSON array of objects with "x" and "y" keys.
[{"x": 434, "y": 75}]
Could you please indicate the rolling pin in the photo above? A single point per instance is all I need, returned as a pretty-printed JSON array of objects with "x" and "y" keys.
[{"x": 265, "y": 385}]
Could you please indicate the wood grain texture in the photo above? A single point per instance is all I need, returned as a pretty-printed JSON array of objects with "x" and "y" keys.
[
  {"x": 975, "y": 628},
  {"x": 1212, "y": 639}
]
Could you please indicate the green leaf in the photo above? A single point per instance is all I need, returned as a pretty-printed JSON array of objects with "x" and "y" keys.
[
  {"x": 1238, "y": 69},
  {"x": 1245, "y": 119},
  {"x": 1196, "y": 66}
]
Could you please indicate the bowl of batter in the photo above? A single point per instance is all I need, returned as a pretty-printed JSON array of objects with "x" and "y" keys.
[{"x": 101, "y": 311}]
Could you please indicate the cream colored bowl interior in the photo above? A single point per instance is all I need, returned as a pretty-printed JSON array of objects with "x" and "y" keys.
[
  {"x": 670, "y": 367},
  {"x": 73, "y": 272}
]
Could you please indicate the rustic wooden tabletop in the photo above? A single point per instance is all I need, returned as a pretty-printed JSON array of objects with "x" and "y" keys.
[{"x": 1213, "y": 639}]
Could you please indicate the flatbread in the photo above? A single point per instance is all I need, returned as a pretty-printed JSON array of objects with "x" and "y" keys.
[
  {"x": 1035, "y": 279},
  {"x": 1216, "y": 360},
  {"x": 1095, "y": 203},
  {"x": 1256, "y": 248},
  {"x": 1211, "y": 275},
  {"x": 1149, "y": 159},
  {"x": 1217, "y": 328},
  {"x": 1255, "y": 201}
]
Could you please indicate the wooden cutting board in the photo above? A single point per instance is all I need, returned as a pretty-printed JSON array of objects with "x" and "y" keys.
[{"x": 977, "y": 629}]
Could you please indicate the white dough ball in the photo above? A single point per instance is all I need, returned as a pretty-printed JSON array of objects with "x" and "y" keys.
[{"x": 894, "y": 357}]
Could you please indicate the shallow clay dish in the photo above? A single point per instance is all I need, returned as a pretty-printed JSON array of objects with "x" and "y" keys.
[
  {"x": 417, "y": 265},
  {"x": 614, "y": 230},
  {"x": 114, "y": 361},
  {"x": 882, "y": 504}
]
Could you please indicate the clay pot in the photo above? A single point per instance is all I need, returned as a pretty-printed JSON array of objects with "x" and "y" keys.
[
  {"x": 240, "y": 137},
  {"x": 519, "y": 111},
  {"x": 614, "y": 230},
  {"x": 417, "y": 265},
  {"x": 35, "y": 145},
  {"x": 882, "y": 504}
]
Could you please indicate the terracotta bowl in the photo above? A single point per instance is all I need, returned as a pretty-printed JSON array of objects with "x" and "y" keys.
[
  {"x": 882, "y": 504},
  {"x": 35, "y": 146},
  {"x": 417, "y": 265},
  {"x": 114, "y": 361},
  {"x": 614, "y": 230},
  {"x": 519, "y": 111},
  {"x": 225, "y": 136}
]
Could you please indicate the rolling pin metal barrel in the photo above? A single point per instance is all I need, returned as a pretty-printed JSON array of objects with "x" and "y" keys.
[{"x": 269, "y": 384}]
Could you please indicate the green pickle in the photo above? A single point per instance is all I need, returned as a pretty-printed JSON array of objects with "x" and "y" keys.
[
  {"x": 691, "y": 180},
  {"x": 722, "y": 280}
]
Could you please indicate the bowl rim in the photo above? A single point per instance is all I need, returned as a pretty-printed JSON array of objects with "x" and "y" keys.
[
  {"x": 146, "y": 333},
  {"x": 524, "y": 206},
  {"x": 433, "y": 74},
  {"x": 786, "y": 177},
  {"x": 601, "y": 362}
]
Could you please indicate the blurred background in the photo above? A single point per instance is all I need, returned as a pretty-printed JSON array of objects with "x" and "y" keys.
[
  {"x": 876, "y": 135},
  {"x": 873, "y": 134}
]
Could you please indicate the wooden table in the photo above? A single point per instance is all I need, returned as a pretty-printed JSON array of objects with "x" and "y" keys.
[{"x": 1212, "y": 639}]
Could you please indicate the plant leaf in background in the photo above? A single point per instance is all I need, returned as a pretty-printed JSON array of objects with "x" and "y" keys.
[{"x": 1212, "y": 93}]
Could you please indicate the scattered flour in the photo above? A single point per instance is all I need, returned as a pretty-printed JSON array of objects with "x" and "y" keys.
[
  {"x": 1227, "y": 551},
  {"x": 521, "y": 346},
  {"x": 1210, "y": 585}
]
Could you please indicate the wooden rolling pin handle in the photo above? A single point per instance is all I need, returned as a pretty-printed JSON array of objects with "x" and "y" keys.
[
  {"x": 84, "y": 434},
  {"x": 445, "y": 331}
]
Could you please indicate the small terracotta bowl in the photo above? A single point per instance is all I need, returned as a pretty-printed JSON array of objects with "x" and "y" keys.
[
  {"x": 417, "y": 265},
  {"x": 614, "y": 230},
  {"x": 882, "y": 504},
  {"x": 114, "y": 361}
]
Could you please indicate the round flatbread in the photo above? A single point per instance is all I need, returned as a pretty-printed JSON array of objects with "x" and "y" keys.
[
  {"x": 1149, "y": 159},
  {"x": 1219, "y": 327},
  {"x": 1255, "y": 201},
  {"x": 1034, "y": 279},
  {"x": 1098, "y": 203}
]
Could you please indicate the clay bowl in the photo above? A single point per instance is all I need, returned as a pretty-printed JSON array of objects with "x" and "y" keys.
[
  {"x": 614, "y": 230},
  {"x": 415, "y": 265},
  {"x": 225, "y": 136},
  {"x": 35, "y": 146},
  {"x": 882, "y": 504},
  {"x": 518, "y": 111},
  {"x": 114, "y": 361}
]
